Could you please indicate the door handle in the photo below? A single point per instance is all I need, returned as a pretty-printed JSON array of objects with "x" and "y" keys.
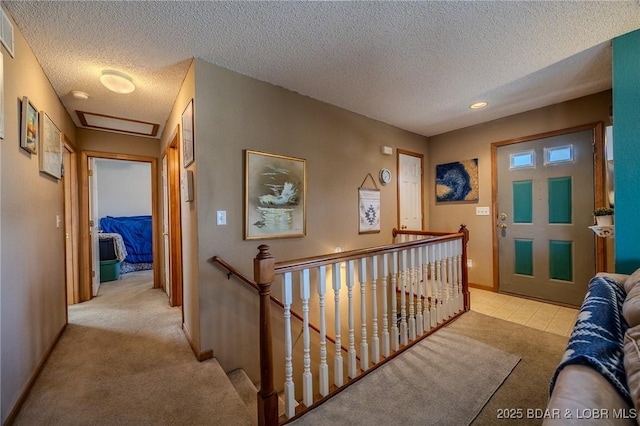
[
  {"x": 503, "y": 216},
  {"x": 502, "y": 225}
]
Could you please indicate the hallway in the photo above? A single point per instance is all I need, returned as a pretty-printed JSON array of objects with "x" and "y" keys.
[{"x": 124, "y": 360}]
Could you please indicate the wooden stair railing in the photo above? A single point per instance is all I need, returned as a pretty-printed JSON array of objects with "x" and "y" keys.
[{"x": 448, "y": 278}]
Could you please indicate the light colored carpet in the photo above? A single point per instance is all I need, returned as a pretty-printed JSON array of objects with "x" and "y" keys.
[
  {"x": 124, "y": 360},
  {"x": 444, "y": 380}
]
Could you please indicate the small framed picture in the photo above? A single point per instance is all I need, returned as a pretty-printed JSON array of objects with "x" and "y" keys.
[
  {"x": 30, "y": 128},
  {"x": 187, "y": 135}
]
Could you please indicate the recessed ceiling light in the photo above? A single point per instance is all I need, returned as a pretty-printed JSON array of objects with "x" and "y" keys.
[
  {"x": 478, "y": 105},
  {"x": 79, "y": 95},
  {"x": 117, "y": 81}
]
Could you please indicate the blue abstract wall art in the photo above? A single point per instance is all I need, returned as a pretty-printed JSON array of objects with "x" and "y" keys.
[{"x": 457, "y": 181}]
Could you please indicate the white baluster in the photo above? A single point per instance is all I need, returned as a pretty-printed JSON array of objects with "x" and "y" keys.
[
  {"x": 404, "y": 336},
  {"x": 446, "y": 278},
  {"x": 337, "y": 361},
  {"x": 395, "y": 333},
  {"x": 434, "y": 285},
  {"x": 289, "y": 387},
  {"x": 375, "y": 342},
  {"x": 351, "y": 360},
  {"x": 323, "y": 369},
  {"x": 419, "y": 282},
  {"x": 441, "y": 295},
  {"x": 425, "y": 275},
  {"x": 385, "y": 306},
  {"x": 411, "y": 280},
  {"x": 307, "y": 377},
  {"x": 364, "y": 345}
]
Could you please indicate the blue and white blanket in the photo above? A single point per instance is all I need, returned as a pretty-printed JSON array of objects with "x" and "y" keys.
[{"x": 597, "y": 339}]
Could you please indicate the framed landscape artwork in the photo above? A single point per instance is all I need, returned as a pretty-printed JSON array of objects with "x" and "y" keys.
[
  {"x": 275, "y": 196},
  {"x": 50, "y": 147},
  {"x": 187, "y": 135},
  {"x": 457, "y": 181}
]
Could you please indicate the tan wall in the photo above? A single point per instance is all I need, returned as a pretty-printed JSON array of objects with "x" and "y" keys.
[
  {"x": 116, "y": 143},
  {"x": 33, "y": 310},
  {"x": 475, "y": 142},
  {"x": 234, "y": 113},
  {"x": 190, "y": 290}
]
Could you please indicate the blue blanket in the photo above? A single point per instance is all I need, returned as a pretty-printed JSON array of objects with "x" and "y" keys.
[
  {"x": 597, "y": 339},
  {"x": 136, "y": 233}
]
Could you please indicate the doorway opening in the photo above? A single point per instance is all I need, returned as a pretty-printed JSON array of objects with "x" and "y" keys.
[{"x": 114, "y": 201}]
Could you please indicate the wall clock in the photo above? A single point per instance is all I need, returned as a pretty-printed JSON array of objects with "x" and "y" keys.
[{"x": 385, "y": 176}]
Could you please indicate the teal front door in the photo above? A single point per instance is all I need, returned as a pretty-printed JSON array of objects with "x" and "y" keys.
[{"x": 545, "y": 199}]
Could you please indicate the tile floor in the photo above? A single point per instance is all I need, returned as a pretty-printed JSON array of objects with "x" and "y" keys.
[{"x": 542, "y": 316}]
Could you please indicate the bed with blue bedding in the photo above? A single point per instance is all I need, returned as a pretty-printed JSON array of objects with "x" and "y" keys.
[{"x": 136, "y": 232}]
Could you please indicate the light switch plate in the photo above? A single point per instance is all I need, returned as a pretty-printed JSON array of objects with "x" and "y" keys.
[
  {"x": 221, "y": 217},
  {"x": 482, "y": 211}
]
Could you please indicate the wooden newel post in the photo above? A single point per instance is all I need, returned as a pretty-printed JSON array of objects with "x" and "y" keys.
[
  {"x": 263, "y": 274},
  {"x": 465, "y": 270}
]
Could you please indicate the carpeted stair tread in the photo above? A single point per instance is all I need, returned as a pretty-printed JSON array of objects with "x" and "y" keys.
[{"x": 246, "y": 390}]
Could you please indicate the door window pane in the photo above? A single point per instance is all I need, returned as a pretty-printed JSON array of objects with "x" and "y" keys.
[
  {"x": 558, "y": 154},
  {"x": 522, "y": 160}
]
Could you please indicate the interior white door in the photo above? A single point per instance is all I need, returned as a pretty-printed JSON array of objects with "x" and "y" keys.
[
  {"x": 94, "y": 226},
  {"x": 165, "y": 227},
  {"x": 410, "y": 191}
]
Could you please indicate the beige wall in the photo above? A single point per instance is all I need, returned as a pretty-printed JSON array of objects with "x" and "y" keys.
[
  {"x": 190, "y": 290},
  {"x": 33, "y": 310},
  {"x": 475, "y": 142},
  {"x": 234, "y": 113},
  {"x": 116, "y": 143}
]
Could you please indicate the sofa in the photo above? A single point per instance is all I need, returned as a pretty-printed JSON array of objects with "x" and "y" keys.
[{"x": 598, "y": 379}]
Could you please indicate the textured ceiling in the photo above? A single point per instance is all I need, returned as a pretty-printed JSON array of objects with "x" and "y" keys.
[{"x": 416, "y": 65}]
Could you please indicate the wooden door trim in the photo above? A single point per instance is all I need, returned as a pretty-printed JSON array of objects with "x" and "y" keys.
[
  {"x": 84, "y": 214},
  {"x": 412, "y": 154},
  {"x": 598, "y": 177},
  {"x": 71, "y": 246},
  {"x": 172, "y": 153}
]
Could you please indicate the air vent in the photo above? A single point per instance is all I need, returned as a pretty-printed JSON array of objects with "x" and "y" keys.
[{"x": 6, "y": 32}]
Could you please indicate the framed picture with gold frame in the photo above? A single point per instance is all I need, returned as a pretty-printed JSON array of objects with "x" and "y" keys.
[{"x": 275, "y": 196}]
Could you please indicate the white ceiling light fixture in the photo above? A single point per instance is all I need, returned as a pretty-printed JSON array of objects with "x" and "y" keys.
[
  {"x": 117, "y": 81},
  {"x": 478, "y": 105},
  {"x": 80, "y": 95}
]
